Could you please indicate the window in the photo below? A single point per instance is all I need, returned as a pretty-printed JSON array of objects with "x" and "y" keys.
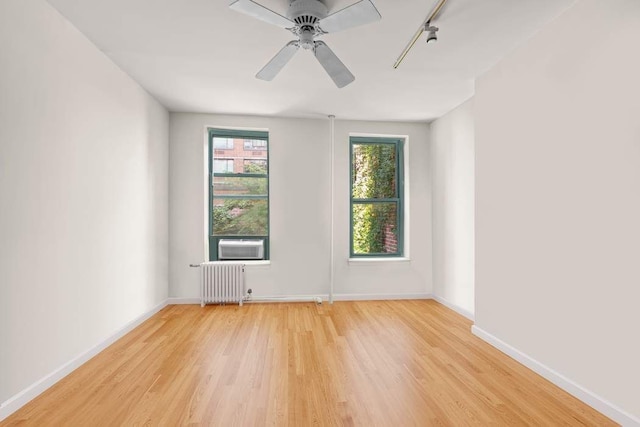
[
  {"x": 255, "y": 144},
  {"x": 222, "y": 143},
  {"x": 377, "y": 181},
  {"x": 223, "y": 165},
  {"x": 238, "y": 200}
]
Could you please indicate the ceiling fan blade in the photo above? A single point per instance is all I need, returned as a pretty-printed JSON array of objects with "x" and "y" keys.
[
  {"x": 360, "y": 13},
  {"x": 260, "y": 12},
  {"x": 340, "y": 74},
  {"x": 276, "y": 64}
]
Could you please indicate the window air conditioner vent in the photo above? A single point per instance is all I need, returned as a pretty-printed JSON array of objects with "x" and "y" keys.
[{"x": 240, "y": 249}]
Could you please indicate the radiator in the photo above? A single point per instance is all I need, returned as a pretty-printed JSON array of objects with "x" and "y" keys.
[{"x": 221, "y": 282}]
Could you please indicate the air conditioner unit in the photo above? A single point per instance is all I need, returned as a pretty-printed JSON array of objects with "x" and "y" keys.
[{"x": 240, "y": 249}]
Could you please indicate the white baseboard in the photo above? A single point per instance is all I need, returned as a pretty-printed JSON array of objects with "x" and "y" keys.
[
  {"x": 325, "y": 297},
  {"x": 276, "y": 298},
  {"x": 286, "y": 298},
  {"x": 181, "y": 301},
  {"x": 17, "y": 401},
  {"x": 591, "y": 399},
  {"x": 379, "y": 297},
  {"x": 469, "y": 315}
]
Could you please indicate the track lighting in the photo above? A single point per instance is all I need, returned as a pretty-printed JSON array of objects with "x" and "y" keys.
[
  {"x": 426, "y": 26},
  {"x": 431, "y": 35}
]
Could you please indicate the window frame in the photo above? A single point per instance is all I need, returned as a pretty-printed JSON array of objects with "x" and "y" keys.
[
  {"x": 236, "y": 134},
  {"x": 398, "y": 143}
]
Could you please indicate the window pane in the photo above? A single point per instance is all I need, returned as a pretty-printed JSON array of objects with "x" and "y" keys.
[
  {"x": 240, "y": 217},
  {"x": 257, "y": 166},
  {"x": 240, "y": 155},
  {"x": 239, "y": 186},
  {"x": 255, "y": 144},
  {"x": 375, "y": 228},
  {"x": 374, "y": 171},
  {"x": 222, "y": 143},
  {"x": 223, "y": 166}
]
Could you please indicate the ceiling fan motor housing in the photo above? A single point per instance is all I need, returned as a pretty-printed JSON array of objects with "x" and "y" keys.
[{"x": 306, "y": 12}]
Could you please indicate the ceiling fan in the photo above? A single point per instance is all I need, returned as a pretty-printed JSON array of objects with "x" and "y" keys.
[{"x": 308, "y": 19}]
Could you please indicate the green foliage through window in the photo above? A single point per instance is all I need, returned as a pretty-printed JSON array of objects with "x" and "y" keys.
[{"x": 376, "y": 197}]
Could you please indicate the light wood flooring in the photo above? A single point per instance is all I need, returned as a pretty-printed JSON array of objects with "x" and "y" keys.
[{"x": 387, "y": 363}]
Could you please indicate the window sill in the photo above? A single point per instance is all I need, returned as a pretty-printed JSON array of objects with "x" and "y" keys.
[
  {"x": 250, "y": 263},
  {"x": 377, "y": 260}
]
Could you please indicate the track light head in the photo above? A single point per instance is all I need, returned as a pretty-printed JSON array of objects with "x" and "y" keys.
[{"x": 432, "y": 37}]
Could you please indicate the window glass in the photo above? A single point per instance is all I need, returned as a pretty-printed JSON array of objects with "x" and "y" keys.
[
  {"x": 255, "y": 144},
  {"x": 223, "y": 165},
  {"x": 220, "y": 143},
  {"x": 374, "y": 171},
  {"x": 232, "y": 186},
  {"x": 257, "y": 166},
  {"x": 375, "y": 228},
  {"x": 240, "y": 217}
]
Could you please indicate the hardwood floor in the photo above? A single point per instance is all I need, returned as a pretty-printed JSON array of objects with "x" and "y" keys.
[{"x": 394, "y": 363}]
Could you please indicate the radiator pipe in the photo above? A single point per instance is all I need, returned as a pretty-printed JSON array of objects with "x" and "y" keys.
[{"x": 332, "y": 130}]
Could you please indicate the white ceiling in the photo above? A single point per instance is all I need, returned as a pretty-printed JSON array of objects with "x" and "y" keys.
[{"x": 200, "y": 56}]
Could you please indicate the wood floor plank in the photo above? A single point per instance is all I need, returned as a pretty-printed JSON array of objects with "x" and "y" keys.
[{"x": 393, "y": 363}]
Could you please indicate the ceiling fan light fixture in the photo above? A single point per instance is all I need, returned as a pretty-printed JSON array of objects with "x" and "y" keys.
[{"x": 432, "y": 35}]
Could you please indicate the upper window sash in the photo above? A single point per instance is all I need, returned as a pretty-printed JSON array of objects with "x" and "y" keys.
[{"x": 238, "y": 134}]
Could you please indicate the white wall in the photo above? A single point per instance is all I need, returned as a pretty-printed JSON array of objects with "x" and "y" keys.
[
  {"x": 558, "y": 199},
  {"x": 413, "y": 277},
  {"x": 452, "y": 176},
  {"x": 83, "y": 193},
  {"x": 299, "y": 215},
  {"x": 300, "y": 197}
]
